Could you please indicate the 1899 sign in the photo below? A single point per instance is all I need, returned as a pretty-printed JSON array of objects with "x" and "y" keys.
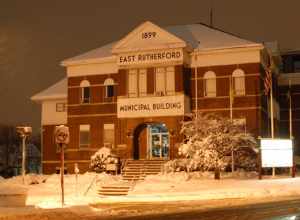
[{"x": 148, "y": 35}]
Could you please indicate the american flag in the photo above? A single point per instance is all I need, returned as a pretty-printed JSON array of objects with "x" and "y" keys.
[{"x": 268, "y": 81}]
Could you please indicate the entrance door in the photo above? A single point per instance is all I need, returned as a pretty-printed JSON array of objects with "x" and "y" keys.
[{"x": 158, "y": 141}]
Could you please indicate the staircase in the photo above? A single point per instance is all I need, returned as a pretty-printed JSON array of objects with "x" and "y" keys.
[
  {"x": 120, "y": 189},
  {"x": 136, "y": 170}
]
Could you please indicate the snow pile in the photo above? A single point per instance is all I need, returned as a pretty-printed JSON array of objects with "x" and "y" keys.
[{"x": 45, "y": 191}]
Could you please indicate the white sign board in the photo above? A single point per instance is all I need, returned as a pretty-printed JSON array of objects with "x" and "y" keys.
[
  {"x": 152, "y": 106},
  {"x": 276, "y": 152}
]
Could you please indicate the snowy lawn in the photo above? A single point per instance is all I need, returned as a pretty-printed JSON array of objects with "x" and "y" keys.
[
  {"x": 202, "y": 186},
  {"x": 170, "y": 187}
]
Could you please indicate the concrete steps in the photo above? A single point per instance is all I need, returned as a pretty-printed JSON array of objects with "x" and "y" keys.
[
  {"x": 136, "y": 170},
  {"x": 114, "y": 190}
]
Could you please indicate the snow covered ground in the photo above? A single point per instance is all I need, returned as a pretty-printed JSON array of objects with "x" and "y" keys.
[{"x": 171, "y": 187}]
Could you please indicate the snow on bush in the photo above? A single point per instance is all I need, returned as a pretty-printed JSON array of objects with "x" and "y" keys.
[
  {"x": 102, "y": 157},
  {"x": 209, "y": 142}
]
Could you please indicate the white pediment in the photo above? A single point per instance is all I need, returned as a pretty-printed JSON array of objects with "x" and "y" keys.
[{"x": 148, "y": 36}]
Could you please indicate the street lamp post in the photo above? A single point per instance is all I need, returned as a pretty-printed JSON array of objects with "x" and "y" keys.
[{"x": 24, "y": 132}]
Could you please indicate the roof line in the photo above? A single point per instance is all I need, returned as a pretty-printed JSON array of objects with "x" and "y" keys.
[{"x": 218, "y": 29}]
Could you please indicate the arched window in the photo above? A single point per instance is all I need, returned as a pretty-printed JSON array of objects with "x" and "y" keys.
[
  {"x": 210, "y": 84},
  {"x": 109, "y": 87},
  {"x": 85, "y": 91},
  {"x": 238, "y": 77}
]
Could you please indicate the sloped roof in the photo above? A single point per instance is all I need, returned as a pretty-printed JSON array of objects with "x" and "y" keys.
[
  {"x": 198, "y": 36},
  {"x": 56, "y": 91},
  {"x": 101, "y": 52},
  {"x": 202, "y": 37}
]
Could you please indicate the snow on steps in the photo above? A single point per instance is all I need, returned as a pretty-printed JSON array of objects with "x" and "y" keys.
[
  {"x": 135, "y": 170},
  {"x": 114, "y": 190},
  {"x": 138, "y": 169}
]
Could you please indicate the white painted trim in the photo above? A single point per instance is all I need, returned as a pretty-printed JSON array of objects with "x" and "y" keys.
[
  {"x": 118, "y": 47},
  {"x": 108, "y": 59}
]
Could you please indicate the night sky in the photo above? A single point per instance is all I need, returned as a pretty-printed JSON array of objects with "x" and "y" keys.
[{"x": 36, "y": 35}]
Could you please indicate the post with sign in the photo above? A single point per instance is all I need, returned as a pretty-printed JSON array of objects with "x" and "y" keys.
[
  {"x": 276, "y": 153},
  {"x": 61, "y": 135},
  {"x": 24, "y": 132}
]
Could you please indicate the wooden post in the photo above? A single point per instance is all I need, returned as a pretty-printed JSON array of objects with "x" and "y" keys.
[{"x": 62, "y": 171}]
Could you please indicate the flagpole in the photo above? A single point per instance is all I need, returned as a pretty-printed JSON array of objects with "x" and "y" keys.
[
  {"x": 231, "y": 97},
  {"x": 196, "y": 88},
  {"x": 290, "y": 110},
  {"x": 272, "y": 115},
  {"x": 231, "y": 117},
  {"x": 293, "y": 168}
]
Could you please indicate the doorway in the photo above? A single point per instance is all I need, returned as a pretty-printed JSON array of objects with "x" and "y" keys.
[{"x": 151, "y": 141}]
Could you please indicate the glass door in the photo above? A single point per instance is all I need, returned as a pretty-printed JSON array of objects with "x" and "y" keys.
[{"x": 158, "y": 142}]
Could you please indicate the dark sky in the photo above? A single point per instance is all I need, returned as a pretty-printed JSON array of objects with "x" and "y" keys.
[{"x": 36, "y": 35}]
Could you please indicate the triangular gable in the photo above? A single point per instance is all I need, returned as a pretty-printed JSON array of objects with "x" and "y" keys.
[{"x": 148, "y": 36}]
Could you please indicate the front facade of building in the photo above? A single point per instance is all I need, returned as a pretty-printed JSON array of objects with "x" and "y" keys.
[{"x": 132, "y": 94}]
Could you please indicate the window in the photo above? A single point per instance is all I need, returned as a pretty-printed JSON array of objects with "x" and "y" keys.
[
  {"x": 142, "y": 82},
  {"x": 84, "y": 135},
  {"x": 109, "y": 134},
  {"x": 61, "y": 107},
  {"x": 209, "y": 81},
  {"x": 170, "y": 78},
  {"x": 137, "y": 82},
  {"x": 165, "y": 80},
  {"x": 85, "y": 91},
  {"x": 132, "y": 83},
  {"x": 109, "y": 87},
  {"x": 238, "y": 77}
]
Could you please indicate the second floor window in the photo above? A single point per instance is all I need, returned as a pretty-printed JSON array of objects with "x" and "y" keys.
[
  {"x": 238, "y": 77},
  {"x": 137, "y": 82},
  {"x": 85, "y": 91},
  {"x": 165, "y": 81},
  {"x": 209, "y": 84},
  {"x": 109, "y": 87}
]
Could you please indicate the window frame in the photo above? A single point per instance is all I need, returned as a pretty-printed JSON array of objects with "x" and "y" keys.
[
  {"x": 85, "y": 91},
  {"x": 109, "y": 84},
  {"x": 209, "y": 75},
  {"x": 166, "y": 70},
  {"x": 61, "y": 107},
  {"x": 85, "y": 128},
  {"x": 106, "y": 127},
  {"x": 239, "y": 74}
]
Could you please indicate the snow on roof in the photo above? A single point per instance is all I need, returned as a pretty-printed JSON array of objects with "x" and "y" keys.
[
  {"x": 198, "y": 36},
  {"x": 202, "y": 37},
  {"x": 56, "y": 91},
  {"x": 101, "y": 52}
]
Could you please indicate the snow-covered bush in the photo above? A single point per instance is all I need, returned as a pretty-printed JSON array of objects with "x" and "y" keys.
[
  {"x": 210, "y": 140},
  {"x": 102, "y": 157}
]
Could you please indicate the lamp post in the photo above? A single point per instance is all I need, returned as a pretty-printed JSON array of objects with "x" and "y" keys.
[{"x": 24, "y": 132}]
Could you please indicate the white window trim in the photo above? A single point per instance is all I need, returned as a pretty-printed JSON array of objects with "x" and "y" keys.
[
  {"x": 239, "y": 73},
  {"x": 210, "y": 75}
]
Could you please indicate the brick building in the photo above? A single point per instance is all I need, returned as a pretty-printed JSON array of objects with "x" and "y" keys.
[{"x": 133, "y": 93}]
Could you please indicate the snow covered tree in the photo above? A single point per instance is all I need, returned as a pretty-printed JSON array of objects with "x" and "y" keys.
[
  {"x": 210, "y": 140},
  {"x": 102, "y": 157}
]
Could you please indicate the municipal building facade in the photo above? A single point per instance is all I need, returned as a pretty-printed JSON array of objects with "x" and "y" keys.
[{"x": 132, "y": 95}]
